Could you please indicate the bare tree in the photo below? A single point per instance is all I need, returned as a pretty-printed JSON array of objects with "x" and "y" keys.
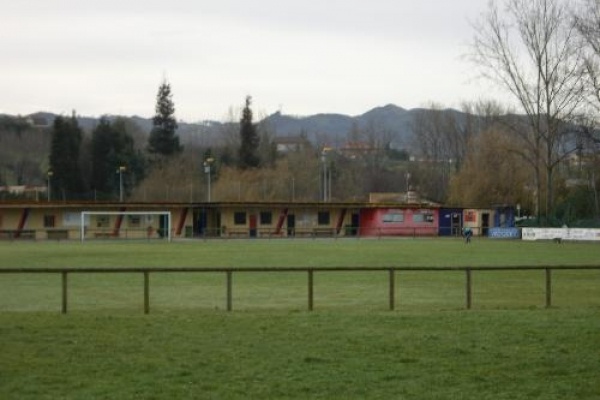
[
  {"x": 533, "y": 53},
  {"x": 376, "y": 140},
  {"x": 587, "y": 23},
  {"x": 490, "y": 174},
  {"x": 229, "y": 137},
  {"x": 432, "y": 138}
]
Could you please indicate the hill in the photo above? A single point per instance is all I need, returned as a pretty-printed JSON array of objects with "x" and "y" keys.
[{"x": 395, "y": 122}]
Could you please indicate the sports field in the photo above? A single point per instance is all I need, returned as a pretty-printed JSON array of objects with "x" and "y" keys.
[{"x": 508, "y": 346}]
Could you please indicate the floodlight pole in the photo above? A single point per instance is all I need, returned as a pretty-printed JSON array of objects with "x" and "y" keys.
[
  {"x": 407, "y": 185},
  {"x": 326, "y": 176},
  {"x": 207, "y": 164},
  {"x": 49, "y": 176},
  {"x": 120, "y": 171}
]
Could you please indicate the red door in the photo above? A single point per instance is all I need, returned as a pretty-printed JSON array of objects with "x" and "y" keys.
[{"x": 252, "y": 225}]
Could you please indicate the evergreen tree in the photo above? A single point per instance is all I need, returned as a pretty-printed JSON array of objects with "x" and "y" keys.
[
  {"x": 102, "y": 155},
  {"x": 163, "y": 141},
  {"x": 113, "y": 147},
  {"x": 64, "y": 158},
  {"x": 249, "y": 139}
]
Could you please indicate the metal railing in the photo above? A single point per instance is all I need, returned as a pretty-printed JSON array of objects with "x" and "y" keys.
[{"x": 310, "y": 271}]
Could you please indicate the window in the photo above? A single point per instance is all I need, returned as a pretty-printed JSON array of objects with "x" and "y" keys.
[
  {"x": 266, "y": 218},
  {"x": 102, "y": 221},
  {"x": 239, "y": 218},
  {"x": 470, "y": 216},
  {"x": 423, "y": 217},
  {"x": 134, "y": 221},
  {"x": 49, "y": 221},
  {"x": 323, "y": 218},
  {"x": 393, "y": 217}
]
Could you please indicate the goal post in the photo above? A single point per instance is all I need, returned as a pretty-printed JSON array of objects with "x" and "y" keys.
[{"x": 125, "y": 225}]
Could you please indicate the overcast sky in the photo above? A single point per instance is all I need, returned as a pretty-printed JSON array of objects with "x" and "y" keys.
[{"x": 302, "y": 58}]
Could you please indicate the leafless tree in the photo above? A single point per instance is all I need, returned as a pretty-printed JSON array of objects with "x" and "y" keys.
[
  {"x": 490, "y": 173},
  {"x": 436, "y": 137},
  {"x": 229, "y": 137},
  {"x": 532, "y": 51},
  {"x": 587, "y": 22}
]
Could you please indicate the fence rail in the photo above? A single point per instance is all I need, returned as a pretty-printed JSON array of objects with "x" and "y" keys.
[
  {"x": 243, "y": 232},
  {"x": 310, "y": 271}
]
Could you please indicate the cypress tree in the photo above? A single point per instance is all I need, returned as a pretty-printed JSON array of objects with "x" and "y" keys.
[
  {"x": 102, "y": 157},
  {"x": 249, "y": 139},
  {"x": 64, "y": 157},
  {"x": 163, "y": 140}
]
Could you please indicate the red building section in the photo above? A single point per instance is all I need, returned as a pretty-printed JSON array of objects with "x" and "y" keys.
[{"x": 399, "y": 222}]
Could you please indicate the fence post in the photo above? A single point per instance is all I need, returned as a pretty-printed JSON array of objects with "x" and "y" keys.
[
  {"x": 229, "y": 290},
  {"x": 146, "y": 292},
  {"x": 310, "y": 290},
  {"x": 548, "y": 287},
  {"x": 469, "y": 288},
  {"x": 64, "y": 292},
  {"x": 392, "y": 289}
]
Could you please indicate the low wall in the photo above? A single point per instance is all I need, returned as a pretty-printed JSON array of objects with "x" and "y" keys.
[
  {"x": 504, "y": 233},
  {"x": 579, "y": 234}
]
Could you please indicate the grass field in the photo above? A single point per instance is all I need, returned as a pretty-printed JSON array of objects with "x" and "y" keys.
[{"x": 507, "y": 347}]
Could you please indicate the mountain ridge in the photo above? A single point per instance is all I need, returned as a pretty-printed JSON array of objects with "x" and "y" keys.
[{"x": 396, "y": 122}]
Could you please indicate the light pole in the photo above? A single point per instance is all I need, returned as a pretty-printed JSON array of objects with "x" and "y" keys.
[
  {"x": 49, "y": 176},
  {"x": 207, "y": 164},
  {"x": 407, "y": 185},
  {"x": 120, "y": 171},
  {"x": 326, "y": 177}
]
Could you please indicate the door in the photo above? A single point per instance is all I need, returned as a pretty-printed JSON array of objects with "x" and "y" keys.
[
  {"x": 291, "y": 224},
  {"x": 355, "y": 221},
  {"x": 252, "y": 225},
  {"x": 163, "y": 226},
  {"x": 202, "y": 222},
  {"x": 455, "y": 224},
  {"x": 485, "y": 223}
]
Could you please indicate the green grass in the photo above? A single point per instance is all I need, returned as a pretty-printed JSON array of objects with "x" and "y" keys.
[
  {"x": 508, "y": 347},
  {"x": 304, "y": 253},
  {"x": 325, "y": 355}
]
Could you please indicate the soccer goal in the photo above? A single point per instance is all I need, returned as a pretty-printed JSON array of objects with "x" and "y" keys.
[{"x": 125, "y": 225}]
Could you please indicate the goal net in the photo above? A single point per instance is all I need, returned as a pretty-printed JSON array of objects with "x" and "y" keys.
[{"x": 147, "y": 225}]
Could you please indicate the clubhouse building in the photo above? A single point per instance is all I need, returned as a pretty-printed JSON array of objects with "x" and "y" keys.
[{"x": 40, "y": 220}]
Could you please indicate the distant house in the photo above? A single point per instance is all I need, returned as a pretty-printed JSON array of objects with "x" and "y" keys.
[
  {"x": 290, "y": 144},
  {"x": 24, "y": 191},
  {"x": 39, "y": 120},
  {"x": 354, "y": 149}
]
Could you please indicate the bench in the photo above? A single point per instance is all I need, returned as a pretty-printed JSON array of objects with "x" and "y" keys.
[
  {"x": 237, "y": 233},
  {"x": 104, "y": 235},
  {"x": 270, "y": 233},
  {"x": 323, "y": 232},
  {"x": 301, "y": 232},
  {"x": 314, "y": 232},
  {"x": 12, "y": 234},
  {"x": 57, "y": 234}
]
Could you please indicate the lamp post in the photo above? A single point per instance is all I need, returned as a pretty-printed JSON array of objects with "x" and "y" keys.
[
  {"x": 326, "y": 177},
  {"x": 207, "y": 164},
  {"x": 49, "y": 176},
  {"x": 407, "y": 185},
  {"x": 120, "y": 171}
]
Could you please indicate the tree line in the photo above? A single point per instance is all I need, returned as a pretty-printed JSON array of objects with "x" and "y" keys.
[{"x": 539, "y": 152}]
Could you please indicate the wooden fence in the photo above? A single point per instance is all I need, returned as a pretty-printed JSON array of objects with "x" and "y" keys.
[{"x": 310, "y": 271}]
